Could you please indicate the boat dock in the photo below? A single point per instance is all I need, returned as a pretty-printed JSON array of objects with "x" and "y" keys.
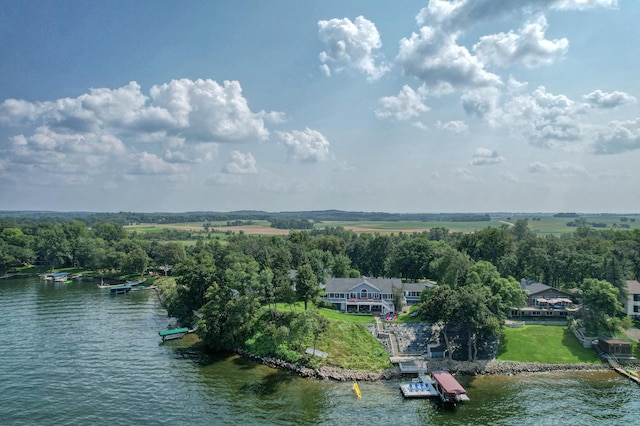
[
  {"x": 629, "y": 374},
  {"x": 422, "y": 387},
  {"x": 438, "y": 384}
]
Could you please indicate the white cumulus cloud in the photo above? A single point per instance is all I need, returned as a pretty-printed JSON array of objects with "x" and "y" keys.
[
  {"x": 527, "y": 47},
  {"x": 601, "y": 99},
  {"x": 352, "y": 45},
  {"x": 241, "y": 163},
  {"x": 485, "y": 157},
  {"x": 618, "y": 137},
  {"x": 406, "y": 105},
  {"x": 547, "y": 120},
  {"x": 306, "y": 145},
  {"x": 453, "y": 126},
  {"x": 434, "y": 57}
]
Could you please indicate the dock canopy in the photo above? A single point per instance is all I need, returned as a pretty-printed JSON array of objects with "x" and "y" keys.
[
  {"x": 164, "y": 333},
  {"x": 448, "y": 383}
]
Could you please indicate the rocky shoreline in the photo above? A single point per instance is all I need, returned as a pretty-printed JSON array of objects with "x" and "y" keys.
[{"x": 489, "y": 367}]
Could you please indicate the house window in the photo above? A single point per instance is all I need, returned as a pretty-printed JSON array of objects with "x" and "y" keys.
[
  {"x": 636, "y": 308},
  {"x": 636, "y": 297},
  {"x": 363, "y": 293}
]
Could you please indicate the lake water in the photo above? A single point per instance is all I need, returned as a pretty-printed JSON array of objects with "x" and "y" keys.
[{"x": 74, "y": 354}]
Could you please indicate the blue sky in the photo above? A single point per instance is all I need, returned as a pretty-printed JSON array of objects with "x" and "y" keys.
[{"x": 417, "y": 106}]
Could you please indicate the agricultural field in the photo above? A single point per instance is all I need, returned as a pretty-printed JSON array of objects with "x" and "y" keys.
[
  {"x": 541, "y": 224},
  {"x": 550, "y": 225}
]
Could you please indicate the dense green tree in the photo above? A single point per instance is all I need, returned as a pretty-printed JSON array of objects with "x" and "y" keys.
[
  {"x": 307, "y": 287},
  {"x": 168, "y": 255},
  {"x": 230, "y": 311},
  {"x": 410, "y": 259},
  {"x": 489, "y": 244},
  {"x": 438, "y": 306},
  {"x": 109, "y": 231},
  {"x": 52, "y": 246},
  {"x": 600, "y": 299},
  {"x": 341, "y": 266},
  {"x": 306, "y": 326},
  {"x": 194, "y": 276},
  {"x": 135, "y": 262},
  {"x": 449, "y": 266}
]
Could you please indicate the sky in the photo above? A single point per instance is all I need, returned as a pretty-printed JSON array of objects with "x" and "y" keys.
[{"x": 286, "y": 105}]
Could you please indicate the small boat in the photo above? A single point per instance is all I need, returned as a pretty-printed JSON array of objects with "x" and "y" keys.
[
  {"x": 633, "y": 373},
  {"x": 60, "y": 277}
]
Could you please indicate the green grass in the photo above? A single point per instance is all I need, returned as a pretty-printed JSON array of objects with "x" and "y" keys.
[
  {"x": 544, "y": 343},
  {"x": 347, "y": 341},
  {"x": 327, "y": 313},
  {"x": 351, "y": 318},
  {"x": 403, "y": 226},
  {"x": 351, "y": 346}
]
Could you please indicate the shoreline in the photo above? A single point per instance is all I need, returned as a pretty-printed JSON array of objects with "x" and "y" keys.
[{"x": 470, "y": 368}]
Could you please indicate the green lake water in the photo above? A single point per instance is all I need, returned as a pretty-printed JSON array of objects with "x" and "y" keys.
[{"x": 72, "y": 354}]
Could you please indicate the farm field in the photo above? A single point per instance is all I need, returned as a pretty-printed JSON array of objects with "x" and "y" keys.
[{"x": 541, "y": 224}]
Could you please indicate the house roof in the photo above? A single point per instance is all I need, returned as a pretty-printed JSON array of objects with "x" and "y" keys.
[
  {"x": 633, "y": 287},
  {"x": 418, "y": 286},
  {"x": 344, "y": 285},
  {"x": 533, "y": 288},
  {"x": 448, "y": 383}
]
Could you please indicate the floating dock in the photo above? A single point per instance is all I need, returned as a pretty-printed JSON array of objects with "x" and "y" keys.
[
  {"x": 439, "y": 384},
  {"x": 422, "y": 387}
]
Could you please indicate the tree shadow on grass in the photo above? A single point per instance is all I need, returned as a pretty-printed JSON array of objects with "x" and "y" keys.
[
  {"x": 576, "y": 349},
  {"x": 502, "y": 344}
]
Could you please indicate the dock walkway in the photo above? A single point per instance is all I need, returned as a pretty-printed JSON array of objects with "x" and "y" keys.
[{"x": 614, "y": 364}]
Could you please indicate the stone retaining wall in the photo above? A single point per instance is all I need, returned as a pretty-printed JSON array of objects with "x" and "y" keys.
[{"x": 486, "y": 367}]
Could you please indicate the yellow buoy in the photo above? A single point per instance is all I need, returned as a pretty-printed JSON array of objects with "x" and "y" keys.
[{"x": 356, "y": 389}]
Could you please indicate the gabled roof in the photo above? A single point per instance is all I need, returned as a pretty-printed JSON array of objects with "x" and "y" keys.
[
  {"x": 633, "y": 287},
  {"x": 418, "y": 286},
  {"x": 534, "y": 288},
  {"x": 344, "y": 285}
]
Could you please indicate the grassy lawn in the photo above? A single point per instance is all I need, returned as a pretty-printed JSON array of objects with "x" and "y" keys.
[
  {"x": 351, "y": 346},
  {"x": 544, "y": 343}
]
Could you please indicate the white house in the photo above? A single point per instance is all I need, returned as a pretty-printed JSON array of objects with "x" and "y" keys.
[{"x": 632, "y": 301}]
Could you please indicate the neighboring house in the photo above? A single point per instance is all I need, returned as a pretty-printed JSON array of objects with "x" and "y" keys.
[
  {"x": 373, "y": 295},
  {"x": 544, "y": 301},
  {"x": 632, "y": 301},
  {"x": 412, "y": 291}
]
